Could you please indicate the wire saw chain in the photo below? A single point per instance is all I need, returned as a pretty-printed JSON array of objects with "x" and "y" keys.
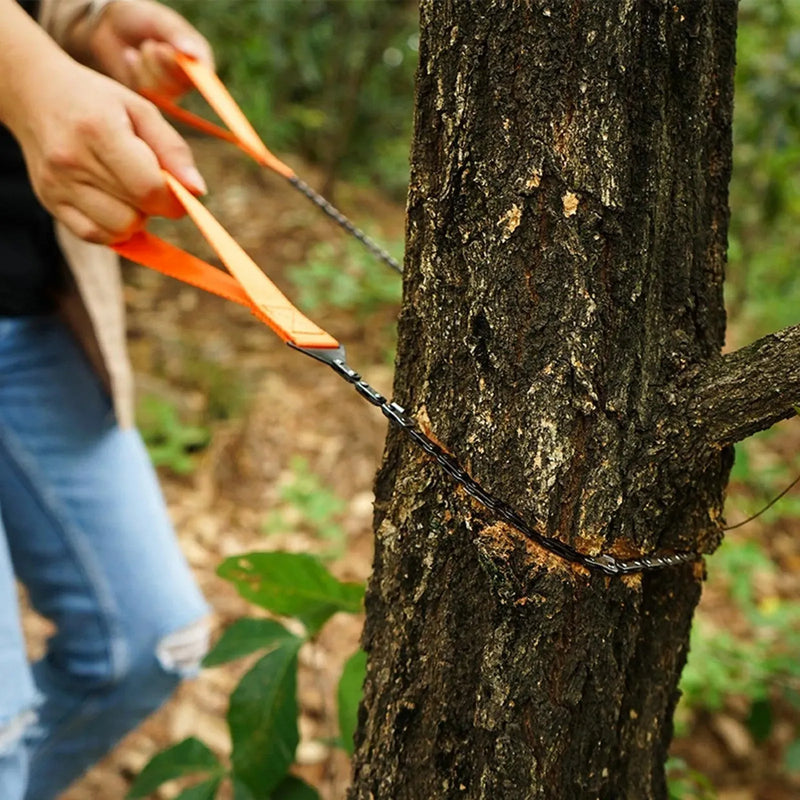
[
  {"x": 397, "y": 416},
  {"x": 340, "y": 219}
]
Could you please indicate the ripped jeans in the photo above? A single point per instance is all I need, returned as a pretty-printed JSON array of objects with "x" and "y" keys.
[{"x": 84, "y": 527}]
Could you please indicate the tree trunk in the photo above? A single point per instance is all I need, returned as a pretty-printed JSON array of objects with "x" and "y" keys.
[{"x": 566, "y": 241}]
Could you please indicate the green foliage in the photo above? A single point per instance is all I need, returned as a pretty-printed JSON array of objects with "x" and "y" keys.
[
  {"x": 763, "y": 286},
  {"x": 685, "y": 783},
  {"x": 791, "y": 759},
  {"x": 262, "y": 718},
  {"x": 760, "y": 720},
  {"x": 246, "y": 636},
  {"x": 349, "y": 696},
  {"x": 170, "y": 442},
  {"x": 292, "y": 584},
  {"x": 764, "y": 475},
  {"x": 188, "y": 757},
  {"x": 262, "y": 714},
  {"x": 292, "y": 788},
  {"x": 331, "y": 80},
  {"x": 206, "y": 790},
  {"x": 307, "y": 503},
  {"x": 761, "y": 666},
  {"x": 222, "y": 386},
  {"x": 345, "y": 276}
]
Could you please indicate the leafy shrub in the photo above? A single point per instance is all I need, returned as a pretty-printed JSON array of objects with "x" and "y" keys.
[
  {"x": 685, "y": 783},
  {"x": 307, "y": 503},
  {"x": 170, "y": 441},
  {"x": 761, "y": 666},
  {"x": 345, "y": 276},
  {"x": 262, "y": 714}
]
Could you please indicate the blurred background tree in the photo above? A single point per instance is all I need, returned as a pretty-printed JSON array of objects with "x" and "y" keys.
[{"x": 330, "y": 80}]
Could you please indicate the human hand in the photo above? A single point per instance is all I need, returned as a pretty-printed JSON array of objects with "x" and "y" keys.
[
  {"x": 135, "y": 42},
  {"x": 95, "y": 150}
]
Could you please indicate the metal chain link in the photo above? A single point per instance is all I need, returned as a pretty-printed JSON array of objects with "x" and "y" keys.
[
  {"x": 340, "y": 219},
  {"x": 397, "y": 416}
]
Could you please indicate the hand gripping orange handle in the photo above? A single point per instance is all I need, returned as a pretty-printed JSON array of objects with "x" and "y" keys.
[
  {"x": 246, "y": 285},
  {"x": 240, "y": 131}
]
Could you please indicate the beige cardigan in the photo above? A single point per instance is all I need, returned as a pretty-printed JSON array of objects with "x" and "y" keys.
[{"x": 93, "y": 305}]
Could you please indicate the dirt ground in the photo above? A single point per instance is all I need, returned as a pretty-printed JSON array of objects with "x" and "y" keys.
[{"x": 289, "y": 406}]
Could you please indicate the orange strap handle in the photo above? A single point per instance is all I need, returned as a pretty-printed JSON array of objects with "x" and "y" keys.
[
  {"x": 246, "y": 285},
  {"x": 240, "y": 131}
]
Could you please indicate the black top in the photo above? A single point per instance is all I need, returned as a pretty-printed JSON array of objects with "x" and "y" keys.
[{"x": 29, "y": 257}]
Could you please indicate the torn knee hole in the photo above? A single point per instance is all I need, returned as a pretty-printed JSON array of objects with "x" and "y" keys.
[
  {"x": 182, "y": 651},
  {"x": 11, "y": 730}
]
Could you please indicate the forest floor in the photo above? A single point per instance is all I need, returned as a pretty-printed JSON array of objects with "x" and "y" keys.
[{"x": 280, "y": 417}]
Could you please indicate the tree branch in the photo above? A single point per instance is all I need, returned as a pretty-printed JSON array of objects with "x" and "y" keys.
[{"x": 751, "y": 389}]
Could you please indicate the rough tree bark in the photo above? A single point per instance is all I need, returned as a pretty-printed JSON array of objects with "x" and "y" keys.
[{"x": 561, "y": 334}]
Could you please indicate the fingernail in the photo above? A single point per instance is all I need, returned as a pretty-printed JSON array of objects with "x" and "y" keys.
[
  {"x": 193, "y": 180},
  {"x": 188, "y": 46}
]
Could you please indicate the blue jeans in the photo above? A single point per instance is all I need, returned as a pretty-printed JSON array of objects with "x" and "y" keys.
[{"x": 84, "y": 527}]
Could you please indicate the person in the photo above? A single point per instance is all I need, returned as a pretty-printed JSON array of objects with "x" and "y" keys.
[{"x": 82, "y": 522}]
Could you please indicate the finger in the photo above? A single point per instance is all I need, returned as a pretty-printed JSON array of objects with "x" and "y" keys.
[
  {"x": 171, "y": 151},
  {"x": 159, "y": 72},
  {"x": 132, "y": 59},
  {"x": 171, "y": 28},
  {"x": 82, "y": 226},
  {"x": 133, "y": 159},
  {"x": 164, "y": 55},
  {"x": 106, "y": 154},
  {"x": 197, "y": 47},
  {"x": 106, "y": 211}
]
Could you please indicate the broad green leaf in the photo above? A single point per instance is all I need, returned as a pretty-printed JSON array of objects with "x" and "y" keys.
[
  {"x": 184, "y": 758},
  {"x": 349, "y": 696},
  {"x": 206, "y": 790},
  {"x": 292, "y": 788},
  {"x": 292, "y": 584},
  {"x": 246, "y": 636},
  {"x": 791, "y": 759},
  {"x": 262, "y": 718}
]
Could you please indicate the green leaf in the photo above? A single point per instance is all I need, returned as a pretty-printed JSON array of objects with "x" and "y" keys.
[
  {"x": 201, "y": 791},
  {"x": 791, "y": 759},
  {"x": 292, "y": 584},
  {"x": 184, "y": 758},
  {"x": 241, "y": 792},
  {"x": 246, "y": 636},
  {"x": 262, "y": 718},
  {"x": 349, "y": 697},
  {"x": 293, "y": 788},
  {"x": 759, "y": 721}
]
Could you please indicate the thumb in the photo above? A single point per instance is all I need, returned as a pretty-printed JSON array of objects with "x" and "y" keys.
[
  {"x": 172, "y": 152},
  {"x": 171, "y": 28}
]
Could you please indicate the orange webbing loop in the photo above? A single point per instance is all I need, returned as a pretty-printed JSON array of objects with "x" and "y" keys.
[
  {"x": 249, "y": 286},
  {"x": 240, "y": 131},
  {"x": 150, "y": 251}
]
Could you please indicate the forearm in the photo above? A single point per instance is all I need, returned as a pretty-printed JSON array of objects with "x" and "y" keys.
[{"x": 27, "y": 53}]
